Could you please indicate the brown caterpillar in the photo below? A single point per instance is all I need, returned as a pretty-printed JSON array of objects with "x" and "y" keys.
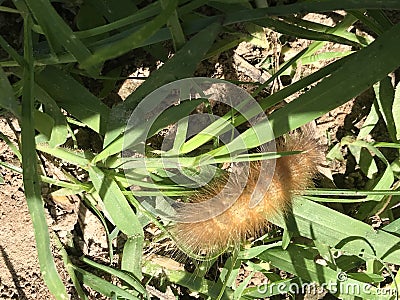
[{"x": 293, "y": 173}]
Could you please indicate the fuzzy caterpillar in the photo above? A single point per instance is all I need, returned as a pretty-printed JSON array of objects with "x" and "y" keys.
[{"x": 240, "y": 221}]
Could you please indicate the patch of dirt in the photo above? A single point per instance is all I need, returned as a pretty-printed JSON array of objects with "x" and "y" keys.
[{"x": 20, "y": 276}]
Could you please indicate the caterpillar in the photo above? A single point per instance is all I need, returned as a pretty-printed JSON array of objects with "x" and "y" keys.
[{"x": 292, "y": 174}]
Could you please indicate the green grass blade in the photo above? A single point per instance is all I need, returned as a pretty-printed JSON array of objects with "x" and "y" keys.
[
  {"x": 178, "y": 38},
  {"x": 293, "y": 30},
  {"x": 68, "y": 265},
  {"x": 307, "y": 6},
  {"x": 74, "y": 98},
  {"x": 181, "y": 65},
  {"x": 340, "y": 231},
  {"x": 11, "y": 145},
  {"x": 128, "y": 278},
  {"x": 145, "y": 13},
  {"x": 130, "y": 42},
  {"x": 131, "y": 256},
  {"x": 115, "y": 203},
  {"x": 362, "y": 69},
  {"x": 396, "y": 111},
  {"x": 103, "y": 286},
  {"x": 11, "y": 51},
  {"x": 385, "y": 96},
  {"x": 59, "y": 131},
  {"x": 370, "y": 122},
  {"x": 69, "y": 155},
  {"x": 7, "y": 98},
  {"x": 30, "y": 175},
  {"x": 183, "y": 278},
  {"x": 300, "y": 261},
  {"x": 58, "y": 33}
]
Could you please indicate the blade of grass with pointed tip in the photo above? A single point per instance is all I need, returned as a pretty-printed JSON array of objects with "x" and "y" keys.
[{"x": 30, "y": 176}]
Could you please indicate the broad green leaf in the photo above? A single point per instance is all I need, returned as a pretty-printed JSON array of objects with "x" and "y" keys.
[{"x": 393, "y": 227}]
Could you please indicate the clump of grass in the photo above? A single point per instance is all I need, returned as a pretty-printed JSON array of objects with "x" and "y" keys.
[{"x": 42, "y": 89}]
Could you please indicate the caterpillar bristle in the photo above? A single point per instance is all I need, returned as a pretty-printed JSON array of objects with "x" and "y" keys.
[{"x": 293, "y": 174}]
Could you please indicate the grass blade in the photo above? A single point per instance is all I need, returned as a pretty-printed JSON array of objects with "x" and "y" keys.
[
  {"x": 181, "y": 65},
  {"x": 58, "y": 33},
  {"x": 128, "y": 278},
  {"x": 103, "y": 286},
  {"x": 7, "y": 98},
  {"x": 74, "y": 98},
  {"x": 385, "y": 96},
  {"x": 307, "y": 6},
  {"x": 340, "y": 231},
  {"x": 396, "y": 111},
  {"x": 30, "y": 175},
  {"x": 115, "y": 203},
  {"x": 131, "y": 41}
]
